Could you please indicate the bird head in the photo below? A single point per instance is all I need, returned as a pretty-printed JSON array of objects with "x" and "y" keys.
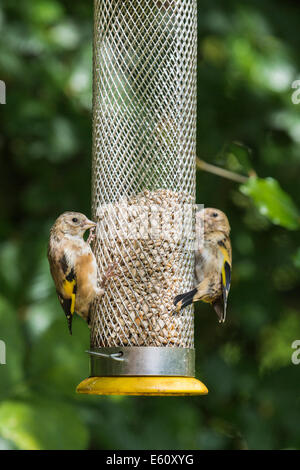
[
  {"x": 214, "y": 220},
  {"x": 74, "y": 224}
]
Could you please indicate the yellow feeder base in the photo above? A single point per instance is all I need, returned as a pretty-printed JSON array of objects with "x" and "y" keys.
[{"x": 146, "y": 386}]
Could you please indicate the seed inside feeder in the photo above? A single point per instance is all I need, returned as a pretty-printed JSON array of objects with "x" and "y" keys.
[{"x": 150, "y": 238}]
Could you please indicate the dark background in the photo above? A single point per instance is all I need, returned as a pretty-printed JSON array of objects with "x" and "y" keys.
[{"x": 248, "y": 59}]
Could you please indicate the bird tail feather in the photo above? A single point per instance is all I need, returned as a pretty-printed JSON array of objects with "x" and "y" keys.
[
  {"x": 183, "y": 300},
  {"x": 220, "y": 310}
]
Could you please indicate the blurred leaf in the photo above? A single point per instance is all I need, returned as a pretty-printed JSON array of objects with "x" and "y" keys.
[
  {"x": 65, "y": 34},
  {"x": 272, "y": 202},
  {"x": 42, "y": 425},
  {"x": 45, "y": 11},
  {"x": 238, "y": 157}
]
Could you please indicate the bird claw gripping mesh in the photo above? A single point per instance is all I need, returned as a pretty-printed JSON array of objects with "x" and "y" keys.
[{"x": 143, "y": 188}]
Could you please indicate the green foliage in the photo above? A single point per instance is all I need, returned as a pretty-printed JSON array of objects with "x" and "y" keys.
[
  {"x": 273, "y": 202},
  {"x": 42, "y": 424},
  {"x": 66, "y": 363},
  {"x": 248, "y": 58},
  {"x": 238, "y": 157}
]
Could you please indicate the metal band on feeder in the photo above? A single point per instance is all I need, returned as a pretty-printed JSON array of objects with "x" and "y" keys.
[{"x": 143, "y": 196}]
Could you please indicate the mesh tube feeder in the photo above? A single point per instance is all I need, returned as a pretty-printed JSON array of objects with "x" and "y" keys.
[{"x": 143, "y": 195}]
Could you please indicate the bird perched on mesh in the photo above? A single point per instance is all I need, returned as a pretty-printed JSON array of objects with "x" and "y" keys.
[
  {"x": 73, "y": 265},
  {"x": 213, "y": 261}
]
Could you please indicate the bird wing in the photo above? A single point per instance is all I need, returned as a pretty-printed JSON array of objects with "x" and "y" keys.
[
  {"x": 220, "y": 304},
  {"x": 65, "y": 279}
]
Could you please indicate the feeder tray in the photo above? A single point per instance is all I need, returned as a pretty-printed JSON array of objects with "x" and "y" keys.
[{"x": 143, "y": 197}]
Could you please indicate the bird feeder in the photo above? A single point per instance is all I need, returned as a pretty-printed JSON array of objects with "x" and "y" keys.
[{"x": 143, "y": 196}]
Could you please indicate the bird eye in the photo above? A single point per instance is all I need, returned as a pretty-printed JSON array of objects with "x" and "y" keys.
[
  {"x": 215, "y": 214},
  {"x": 75, "y": 220}
]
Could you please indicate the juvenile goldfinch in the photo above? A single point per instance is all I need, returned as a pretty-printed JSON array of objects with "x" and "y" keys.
[
  {"x": 212, "y": 264},
  {"x": 73, "y": 265}
]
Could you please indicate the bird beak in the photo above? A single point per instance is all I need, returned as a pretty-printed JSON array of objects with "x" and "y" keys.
[
  {"x": 69, "y": 320},
  {"x": 89, "y": 224}
]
